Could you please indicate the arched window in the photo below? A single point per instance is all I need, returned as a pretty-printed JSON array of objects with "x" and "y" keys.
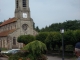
[
  {"x": 14, "y": 40},
  {"x": 17, "y": 4},
  {"x": 24, "y": 3}
]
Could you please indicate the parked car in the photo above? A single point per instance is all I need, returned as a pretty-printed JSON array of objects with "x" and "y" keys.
[{"x": 13, "y": 51}]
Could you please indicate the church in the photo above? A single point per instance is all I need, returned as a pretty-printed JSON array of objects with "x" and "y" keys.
[{"x": 21, "y": 24}]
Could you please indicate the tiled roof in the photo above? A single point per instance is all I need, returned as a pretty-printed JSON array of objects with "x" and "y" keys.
[
  {"x": 10, "y": 20},
  {"x": 7, "y": 32}
]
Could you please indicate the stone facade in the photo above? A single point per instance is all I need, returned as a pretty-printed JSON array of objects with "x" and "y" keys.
[{"x": 21, "y": 24}]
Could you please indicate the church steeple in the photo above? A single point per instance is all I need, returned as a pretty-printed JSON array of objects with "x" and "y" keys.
[{"x": 22, "y": 9}]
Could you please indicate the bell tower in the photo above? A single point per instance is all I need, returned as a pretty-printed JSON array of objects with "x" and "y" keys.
[
  {"x": 22, "y": 12},
  {"x": 22, "y": 9}
]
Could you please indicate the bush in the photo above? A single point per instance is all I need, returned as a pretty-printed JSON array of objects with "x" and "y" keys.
[{"x": 17, "y": 56}]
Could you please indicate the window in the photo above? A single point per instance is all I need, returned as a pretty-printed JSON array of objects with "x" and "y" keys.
[
  {"x": 15, "y": 26},
  {"x": 24, "y": 3},
  {"x": 17, "y": 4},
  {"x": 14, "y": 40}
]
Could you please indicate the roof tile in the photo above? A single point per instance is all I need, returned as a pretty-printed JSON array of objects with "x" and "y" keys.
[{"x": 10, "y": 20}]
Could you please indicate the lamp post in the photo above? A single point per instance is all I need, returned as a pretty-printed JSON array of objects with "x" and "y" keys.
[{"x": 62, "y": 31}]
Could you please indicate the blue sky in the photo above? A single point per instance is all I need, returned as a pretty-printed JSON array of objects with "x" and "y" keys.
[{"x": 44, "y": 12}]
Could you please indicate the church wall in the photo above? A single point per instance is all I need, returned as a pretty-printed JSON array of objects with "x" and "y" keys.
[
  {"x": 29, "y": 27},
  {"x": 8, "y": 27},
  {"x": 16, "y": 34},
  {"x": 18, "y": 23},
  {"x": 9, "y": 42},
  {"x": 3, "y": 42},
  {"x": 1, "y": 29},
  {"x": 12, "y": 25},
  {"x": 0, "y": 42}
]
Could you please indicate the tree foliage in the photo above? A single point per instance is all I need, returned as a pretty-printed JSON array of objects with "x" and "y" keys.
[
  {"x": 37, "y": 29},
  {"x": 77, "y": 35},
  {"x": 35, "y": 48},
  {"x": 26, "y": 39},
  {"x": 69, "y": 37},
  {"x": 53, "y": 39},
  {"x": 67, "y": 25},
  {"x": 42, "y": 36}
]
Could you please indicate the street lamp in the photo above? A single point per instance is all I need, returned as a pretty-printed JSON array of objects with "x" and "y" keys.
[{"x": 62, "y": 31}]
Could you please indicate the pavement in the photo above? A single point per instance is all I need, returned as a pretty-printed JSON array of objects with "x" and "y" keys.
[
  {"x": 56, "y": 58},
  {"x": 48, "y": 58},
  {"x": 2, "y": 58}
]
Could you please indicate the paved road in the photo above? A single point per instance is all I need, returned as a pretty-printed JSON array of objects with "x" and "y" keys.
[
  {"x": 55, "y": 58},
  {"x": 1, "y": 58},
  {"x": 49, "y": 58}
]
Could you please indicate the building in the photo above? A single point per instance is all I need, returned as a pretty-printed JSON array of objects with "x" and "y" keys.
[{"x": 21, "y": 24}]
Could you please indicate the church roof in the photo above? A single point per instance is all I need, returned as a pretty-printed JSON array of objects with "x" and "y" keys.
[
  {"x": 10, "y": 20},
  {"x": 6, "y": 33}
]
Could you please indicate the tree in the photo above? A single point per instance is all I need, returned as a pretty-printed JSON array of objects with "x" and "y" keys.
[
  {"x": 58, "y": 40},
  {"x": 77, "y": 35},
  {"x": 35, "y": 49},
  {"x": 69, "y": 37},
  {"x": 67, "y": 25},
  {"x": 42, "y": 36},
  {"x": 26, "y": 39},
  {"x": 50, "y": 42},
  {"x": 37, "y": 29}
]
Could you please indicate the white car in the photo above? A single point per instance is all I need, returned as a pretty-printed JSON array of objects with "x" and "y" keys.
[{"x": 13, "y": 51}]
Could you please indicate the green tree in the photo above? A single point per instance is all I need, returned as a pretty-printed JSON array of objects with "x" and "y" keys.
[
  {"x": 58, "y": 40},
  {"x": 67, "y": 25},
  {"x": 35, "y": 49},
  {"x": 69, "y": 38},
  {"x": 26, "y": 39},
  {"x": 77, "y": 35},
  {"x": 37, "y": 29},
  {"x": 42, "y": 36},
  {"x": 50, "y": 42}
]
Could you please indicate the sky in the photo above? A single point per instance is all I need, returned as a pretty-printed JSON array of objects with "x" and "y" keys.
[{"x": 44, "y": 12}]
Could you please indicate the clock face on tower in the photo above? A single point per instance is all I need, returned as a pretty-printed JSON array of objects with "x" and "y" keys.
[
  {"x": 24, "y": 27},
  {"x": 24, "y": 15}
]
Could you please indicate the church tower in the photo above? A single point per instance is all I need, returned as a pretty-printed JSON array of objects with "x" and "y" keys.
[
  {"x": 22, "y": 9},
  {"x": 22, "y": 12}
]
